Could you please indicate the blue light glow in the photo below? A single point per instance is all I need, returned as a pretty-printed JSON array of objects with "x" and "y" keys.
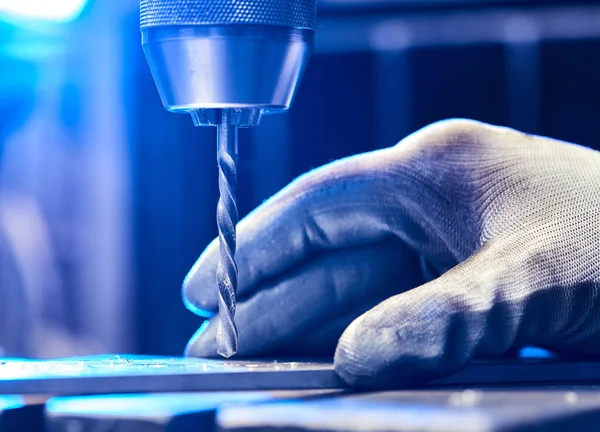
[
  {"x": 534, "y": 352},
  {"x": 44, "y": 10},
  {"x": 11, "y": 402},
  {"x": 196, "y": 310},
  {"x": 149, "y": 406}
]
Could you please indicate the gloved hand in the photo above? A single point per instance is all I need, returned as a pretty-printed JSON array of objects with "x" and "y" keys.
[{"x": 511, "y": 222}]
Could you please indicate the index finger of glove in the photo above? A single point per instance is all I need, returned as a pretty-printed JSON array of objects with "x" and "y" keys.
[
  {"x": 401, "y": 191},
  {"x": 334, "y": 207}
]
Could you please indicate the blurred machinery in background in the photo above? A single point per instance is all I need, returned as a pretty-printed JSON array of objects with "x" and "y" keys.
[
  {"x": 382, "y": 69},
  {"x": 63, "y": 179}
]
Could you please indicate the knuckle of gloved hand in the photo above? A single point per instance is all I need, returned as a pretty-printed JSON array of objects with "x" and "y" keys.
[{"x": 447, "y": 138}]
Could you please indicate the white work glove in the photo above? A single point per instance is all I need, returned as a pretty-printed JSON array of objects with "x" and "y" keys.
[{"x": 511, "y": 222}]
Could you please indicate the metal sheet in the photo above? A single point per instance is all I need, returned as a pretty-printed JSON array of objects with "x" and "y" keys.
[
  {"x": 177, "y": 412},
  {"x": 135, "y": 374},
  {"x": 473, "y": 410},
  {"x": 138, "y": 374}
]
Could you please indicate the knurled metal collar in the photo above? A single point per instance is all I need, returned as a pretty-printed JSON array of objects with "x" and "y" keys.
[{"x": 299, "y": 14}]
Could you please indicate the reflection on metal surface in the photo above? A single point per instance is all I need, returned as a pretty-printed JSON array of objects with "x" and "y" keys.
[
  {"x": 481, "y": 410},
  {"x": 11, "y": 369},
  {"x": 136, "y": 374},
  {"x": 207, "y": 67}
]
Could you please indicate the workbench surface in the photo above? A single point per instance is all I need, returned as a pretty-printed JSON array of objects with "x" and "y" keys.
[
  {"x": 575, "y": 408},
  {"x": 500, "y": 395}
]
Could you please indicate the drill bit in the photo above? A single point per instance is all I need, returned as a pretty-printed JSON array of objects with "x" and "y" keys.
[{"x": 227, "y": 218}]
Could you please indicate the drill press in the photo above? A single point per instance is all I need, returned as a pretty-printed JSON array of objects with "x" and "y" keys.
[{"x": 227, "y": 63}]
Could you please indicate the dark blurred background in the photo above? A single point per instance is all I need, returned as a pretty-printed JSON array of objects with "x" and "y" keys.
[{"x": 106, "y": 200}]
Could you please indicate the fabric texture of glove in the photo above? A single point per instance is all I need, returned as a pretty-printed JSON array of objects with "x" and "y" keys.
[{"x": 464, "y": 240}]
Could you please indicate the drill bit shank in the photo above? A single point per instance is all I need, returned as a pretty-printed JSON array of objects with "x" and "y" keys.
[{"x": 227, "y": 218}]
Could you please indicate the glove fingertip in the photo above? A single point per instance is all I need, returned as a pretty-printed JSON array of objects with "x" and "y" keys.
[
  {"x": 199, "y": 286},
  {"x": 197, "y": 308},
  {"x": 351, "y": 362},
  {"x": 203, "y": 344},
  {"x": 362, "y": 357},
  {"x": 391, "y": 346},
  {"x": 196, "y": 298}
]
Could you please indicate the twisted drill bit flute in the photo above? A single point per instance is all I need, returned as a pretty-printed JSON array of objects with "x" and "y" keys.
[{"x": 227, "y": 217}]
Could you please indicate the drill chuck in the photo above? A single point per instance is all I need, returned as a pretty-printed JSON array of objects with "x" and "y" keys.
[
  {"x": 227, "y": 54},
  {"x": 298, "y": 14}
]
